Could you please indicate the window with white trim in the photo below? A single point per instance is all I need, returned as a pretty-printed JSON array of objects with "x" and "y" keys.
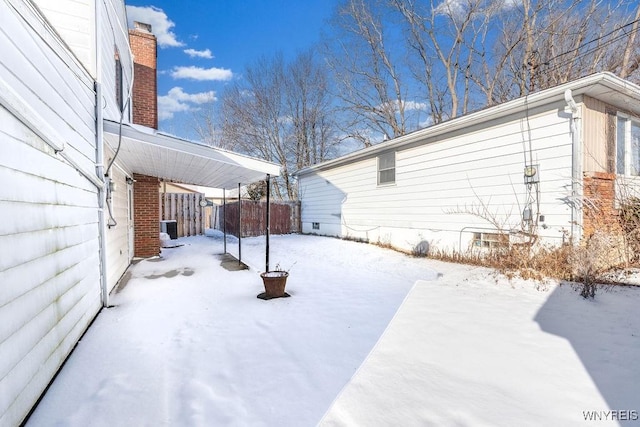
[
  {"x": 387, "y": 168},
  {"x": 627, "y": 146}
]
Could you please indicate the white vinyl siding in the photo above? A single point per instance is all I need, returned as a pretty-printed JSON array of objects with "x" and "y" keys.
[
  {"x": 60, "y": 93},
  {"x": 49, "y": 244},
  {"x": 114, "y": 37},
  {"x": 74, "y": 20},
  {"x": 441, "y": 182},
  {"x": 117, "y": 238}
]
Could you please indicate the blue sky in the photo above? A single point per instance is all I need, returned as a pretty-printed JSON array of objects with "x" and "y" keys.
[{"x": 204, "y": 45}]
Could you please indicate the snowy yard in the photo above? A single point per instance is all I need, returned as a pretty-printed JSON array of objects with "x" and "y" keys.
[{"x": 369, "y": 337}]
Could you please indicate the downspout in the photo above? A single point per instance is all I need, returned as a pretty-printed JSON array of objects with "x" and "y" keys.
[
  {"x": 102, "y": 190},
  {"x": 102, "y": 197},
  {"x": 576, "y": 169}
]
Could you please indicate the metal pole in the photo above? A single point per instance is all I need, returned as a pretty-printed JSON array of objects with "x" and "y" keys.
[
  {"x": 224, "y": 218},
  {"x": 268, "y": 222},
  {"x": 239, "y": 226}
]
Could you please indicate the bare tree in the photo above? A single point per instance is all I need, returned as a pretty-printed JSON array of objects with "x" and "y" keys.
[
  {"x": 369, "y": 83},
  {"x": 548, "y": 43},
  {"x": 632, "y": 48},
  {"x": 281, "y": 112},
  {"x": 456, "y": 56},
  {"x": 443, "y": 41}
]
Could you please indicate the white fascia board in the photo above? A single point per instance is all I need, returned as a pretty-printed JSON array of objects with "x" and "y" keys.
[{"x": 595, "y": 85}]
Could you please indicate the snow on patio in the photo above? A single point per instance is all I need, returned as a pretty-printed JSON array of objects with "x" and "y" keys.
[{"x": 188, "y": 343}]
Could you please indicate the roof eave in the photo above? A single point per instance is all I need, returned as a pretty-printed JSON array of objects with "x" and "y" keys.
[
  {"x": 237, "y": 168},
  {"x": 578, "y": 87}
]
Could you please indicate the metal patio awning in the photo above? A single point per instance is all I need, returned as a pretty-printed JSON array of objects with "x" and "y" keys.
[{"x": 148, "y": 152}]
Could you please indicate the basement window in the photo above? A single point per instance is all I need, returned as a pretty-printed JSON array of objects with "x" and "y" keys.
[
  {"x": 627, "y": 146},
  {"x": 387, "y": 168},
  {"x": 490, "y": 240},
  {"x": 315, "y": 225}
]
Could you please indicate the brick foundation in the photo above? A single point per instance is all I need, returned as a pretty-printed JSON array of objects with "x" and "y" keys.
[
  {"x": 146, "y": 216},
  {"x": 600, "y": 212}
]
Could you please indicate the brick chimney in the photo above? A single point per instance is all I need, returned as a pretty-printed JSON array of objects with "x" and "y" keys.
[
  {"x": 146, "y": 209},
  {"x": 145, "y": 89}
]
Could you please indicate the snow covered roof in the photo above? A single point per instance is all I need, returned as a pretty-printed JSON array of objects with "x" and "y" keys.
[{"x": 149, "y": 152}]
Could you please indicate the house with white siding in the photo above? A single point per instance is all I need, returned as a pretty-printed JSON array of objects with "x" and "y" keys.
[
  {"x": 80, "y": 180},
  {"x": 546, "y": 168}
]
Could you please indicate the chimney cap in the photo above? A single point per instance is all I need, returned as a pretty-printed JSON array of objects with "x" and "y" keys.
[{"x": 142, "y": 26}]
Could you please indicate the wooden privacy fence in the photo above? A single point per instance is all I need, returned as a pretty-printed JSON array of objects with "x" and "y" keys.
[
  {"x": 284, "y": 218},
  {"x": 186, "y": 210}
]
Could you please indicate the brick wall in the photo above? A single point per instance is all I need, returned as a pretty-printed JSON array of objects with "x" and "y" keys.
[
  {"x": 146, "y": 216},
  {"x": 600, "y": 211},
  {"x": 145, "y": 90}
]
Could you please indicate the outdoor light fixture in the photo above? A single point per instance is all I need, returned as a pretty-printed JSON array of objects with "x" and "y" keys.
[{"x": 531, "y": 174}]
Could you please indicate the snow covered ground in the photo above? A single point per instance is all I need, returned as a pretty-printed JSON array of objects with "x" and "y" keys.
[{"x": 369, "y": 337}]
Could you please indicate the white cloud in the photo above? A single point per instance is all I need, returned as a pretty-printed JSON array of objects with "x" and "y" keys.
[
  {"x": 458, "y": 9},
  {"x": 197, "y": 73},
  {"x": 408, "y": 106},
  {"x": 412, "y": 105},
  {"x": 160, "y": 23},
  {"x": 199, "y": 53},
  {"x": 450, "y": 7},
  {"x": 177, "y": 101}
]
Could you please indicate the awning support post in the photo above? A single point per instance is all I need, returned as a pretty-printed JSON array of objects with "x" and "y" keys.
[
  {"x": 239, "y": 227},
  {"x": 224, "y": 218},
  {"x": 266, "y": 268}
]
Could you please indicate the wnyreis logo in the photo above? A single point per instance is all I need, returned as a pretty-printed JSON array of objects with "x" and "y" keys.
[{"x": 612, "y": 415}]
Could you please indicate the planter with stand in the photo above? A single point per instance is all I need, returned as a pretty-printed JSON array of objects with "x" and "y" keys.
[
  {"x": 274, "y": 284},
  {"x": 274, "y": 281}
]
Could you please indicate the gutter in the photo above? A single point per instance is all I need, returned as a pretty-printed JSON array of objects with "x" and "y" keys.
[
  {"x": 576, "y": 169},
  {"x": 102, "y": 197}
]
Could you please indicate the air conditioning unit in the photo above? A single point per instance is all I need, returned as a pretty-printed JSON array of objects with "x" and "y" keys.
[{"x": 170, "y": 227}]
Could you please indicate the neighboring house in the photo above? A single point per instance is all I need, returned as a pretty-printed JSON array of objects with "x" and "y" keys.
[
  {"x": 68, "y": 233},
  {"x": 550, "y": 166}
]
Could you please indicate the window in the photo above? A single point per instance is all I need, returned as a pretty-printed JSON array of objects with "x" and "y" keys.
[
  {"x": 387, "y": 168},
  {"x": 119, "y": 82},
  {"x": 490, "y": 240},
  {"x": 627, "y": 146},
  {"x": 315, "y": 225}
]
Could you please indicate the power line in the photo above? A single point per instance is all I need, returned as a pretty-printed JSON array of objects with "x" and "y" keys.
[
  {"x": 591, "y": 50},
  {"x": 596, "y": 39}
]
